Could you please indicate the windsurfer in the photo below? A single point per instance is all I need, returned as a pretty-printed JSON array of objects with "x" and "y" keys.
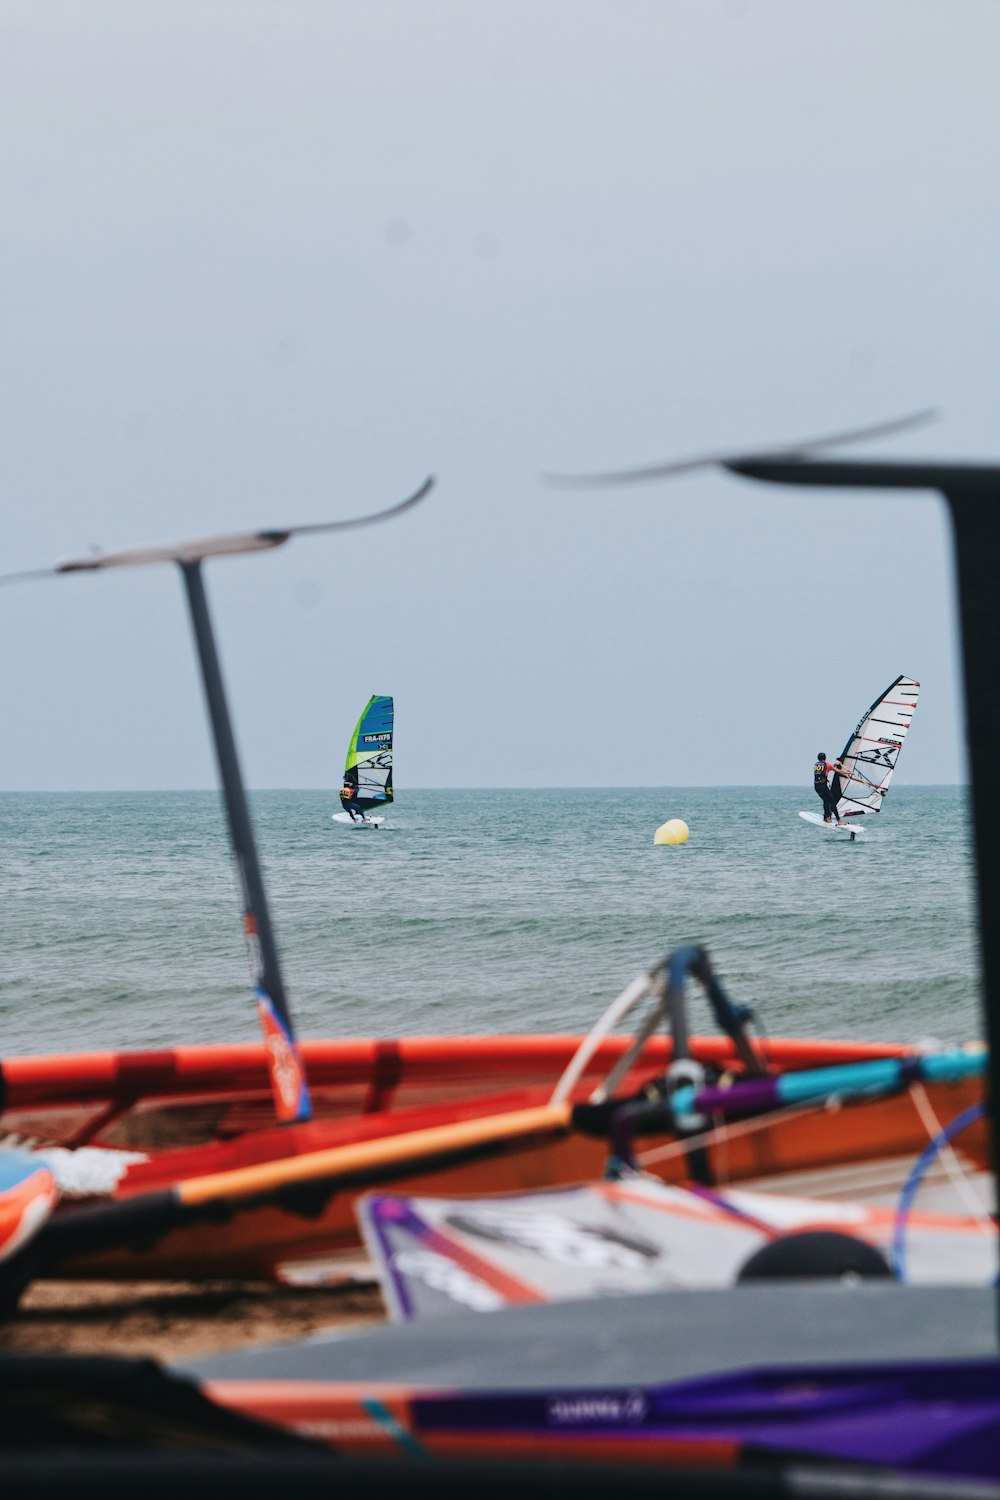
[
  {"x": 828, "y": 794},
  {"x": 349, "y": 797}
]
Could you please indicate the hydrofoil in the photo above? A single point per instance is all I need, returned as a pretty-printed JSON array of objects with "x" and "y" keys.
[{"x": 852, "y": 829}]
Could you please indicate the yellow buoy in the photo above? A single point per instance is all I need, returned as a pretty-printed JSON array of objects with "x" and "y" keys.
[{"x": 674, "y": 831}]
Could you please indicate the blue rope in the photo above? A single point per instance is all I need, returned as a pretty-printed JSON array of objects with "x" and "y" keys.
[{"x": 917, "y": 1173}]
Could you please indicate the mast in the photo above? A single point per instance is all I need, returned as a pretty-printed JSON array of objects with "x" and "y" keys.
[{"x": 285, "y": 1067}]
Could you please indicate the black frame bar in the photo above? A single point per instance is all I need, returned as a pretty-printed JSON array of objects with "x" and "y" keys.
[{"x": 972, "y": 494}]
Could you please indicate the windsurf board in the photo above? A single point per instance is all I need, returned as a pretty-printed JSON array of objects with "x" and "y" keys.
[{"x": 853, "y": 827}]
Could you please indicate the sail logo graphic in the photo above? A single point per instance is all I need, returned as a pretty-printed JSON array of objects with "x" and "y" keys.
[
  {"x": 440, "y": 1275},
  {"x": 622, "y": 1409},
  {"x": 557, "y": 1238},
  {"x": 882, "y": 758},
  {"x": 283, "y": 1065}
]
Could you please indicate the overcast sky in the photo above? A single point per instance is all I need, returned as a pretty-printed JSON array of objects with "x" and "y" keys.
[{"x": 275, "y": 262}]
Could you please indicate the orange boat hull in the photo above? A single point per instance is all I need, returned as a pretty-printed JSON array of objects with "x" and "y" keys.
[{"x": 207, "y": 1111}]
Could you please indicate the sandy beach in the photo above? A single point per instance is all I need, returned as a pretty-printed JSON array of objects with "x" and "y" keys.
[{"x": 169, "y": 1320}]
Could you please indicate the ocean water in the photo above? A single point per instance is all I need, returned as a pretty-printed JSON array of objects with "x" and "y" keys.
[{"x": 480, "y": 911}]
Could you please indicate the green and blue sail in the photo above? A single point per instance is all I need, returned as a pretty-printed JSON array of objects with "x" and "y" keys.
[{"x": 369, "y": 754}]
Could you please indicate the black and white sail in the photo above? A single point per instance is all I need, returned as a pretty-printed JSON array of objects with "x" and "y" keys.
[{"x": 871, "y": 753}]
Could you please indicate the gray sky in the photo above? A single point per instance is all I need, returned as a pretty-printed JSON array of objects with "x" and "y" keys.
[{"x": 275, "y": 262}]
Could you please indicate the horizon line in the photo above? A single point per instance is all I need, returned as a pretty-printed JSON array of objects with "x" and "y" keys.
[{"x": 678, "y": 786}]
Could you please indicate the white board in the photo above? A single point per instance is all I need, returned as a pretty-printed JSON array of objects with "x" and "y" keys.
[
  {"x": 369, "y": 822},
  {"x": 436, "y": 1257},
  {"x": 852, "y": 826}
]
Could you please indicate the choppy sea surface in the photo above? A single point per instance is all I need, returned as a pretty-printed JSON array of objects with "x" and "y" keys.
[{"x": 480, "y": 911}]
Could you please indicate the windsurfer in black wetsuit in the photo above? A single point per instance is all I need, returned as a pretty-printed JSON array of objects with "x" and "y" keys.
[
  {"x": 828, "y": 793},
  {"x": 349, "y": 797}
]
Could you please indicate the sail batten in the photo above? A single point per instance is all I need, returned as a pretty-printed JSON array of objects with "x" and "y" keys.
[
  {"x": 871, "y": 753},
  {"x": 369, "y": 754}
]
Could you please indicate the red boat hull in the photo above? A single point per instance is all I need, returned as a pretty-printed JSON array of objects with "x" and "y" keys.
[{"x": 196, "y": 1111}]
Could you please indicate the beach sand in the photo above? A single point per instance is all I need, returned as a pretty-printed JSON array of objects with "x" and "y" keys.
[{"x": 170, "y": 1320}]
